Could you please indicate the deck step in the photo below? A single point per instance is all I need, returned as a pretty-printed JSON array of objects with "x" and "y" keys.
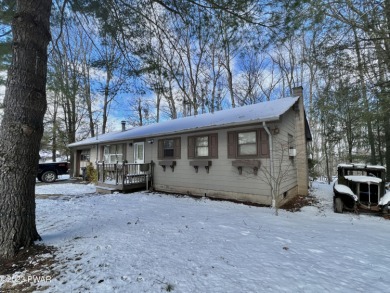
[{"x": 106, "y": 190}]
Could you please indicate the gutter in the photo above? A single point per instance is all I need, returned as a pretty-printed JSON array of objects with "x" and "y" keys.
[{"x": 271, "y": 163}]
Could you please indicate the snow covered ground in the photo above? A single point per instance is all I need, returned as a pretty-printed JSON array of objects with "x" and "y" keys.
[{"x": 146, "y": 242}]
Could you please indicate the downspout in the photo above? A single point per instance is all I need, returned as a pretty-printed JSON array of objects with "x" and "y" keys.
[{"x": 271, "y": 164}]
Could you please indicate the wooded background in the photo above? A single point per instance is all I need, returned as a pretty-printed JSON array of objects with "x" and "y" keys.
[{"x": 147, "y": 61}]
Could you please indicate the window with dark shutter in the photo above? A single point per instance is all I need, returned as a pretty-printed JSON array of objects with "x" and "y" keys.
[
  {"x": 203, "y": 146},
  {"x": 169, "y": 148},
  {"x": 169, "y": 145},
  {"x": 248, "y": 144}
]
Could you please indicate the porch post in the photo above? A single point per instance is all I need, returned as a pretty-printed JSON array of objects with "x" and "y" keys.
[
  {"x": 116, "y": 173},
  {"x": 98, "y": 170},
  {"x": 123, "y": 173},
  {"x": 151, "y": 173},
  {"x": 103, "y": 171}
]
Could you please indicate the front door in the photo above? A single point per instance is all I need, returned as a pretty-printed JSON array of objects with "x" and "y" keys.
[{"x": 139, "y": 157}]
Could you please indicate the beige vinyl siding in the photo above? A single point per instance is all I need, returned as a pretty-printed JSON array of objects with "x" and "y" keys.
[
  {"x": 223, "y": 180},
  {"x": 288, "y": 127}
]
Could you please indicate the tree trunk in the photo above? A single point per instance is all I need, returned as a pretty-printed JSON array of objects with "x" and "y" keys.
[
  {"x": 158, "y": 102},
  {"x": 105, "y": 107},
  {"x": 230, "y": 83},
  {"x": 106, "y": 100},
  {"x": 384, "y": 100},
  {"x": 54, "y": 134},
  {"x": 139, "y": 110},
  {"x": 22, "y": 126},
  {"x": 88, "y": 100}
]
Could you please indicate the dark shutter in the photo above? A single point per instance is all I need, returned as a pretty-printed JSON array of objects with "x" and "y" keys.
[
  {"x": 160, "y": 151},
  {"x": 213, "y": 146},
  {"x": 177, "y": 148},
  {"x": 264, "y": 144},
  {"x": 232, "y": 145},
  {"x": 191, "y": 147}
]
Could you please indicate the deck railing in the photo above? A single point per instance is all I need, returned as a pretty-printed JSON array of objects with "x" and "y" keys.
[{"x": 124, "y": 173}]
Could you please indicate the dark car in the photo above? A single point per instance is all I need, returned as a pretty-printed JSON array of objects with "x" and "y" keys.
[
  {"x": 360, "y": 186},
  {"x": 49, "y": 172}
]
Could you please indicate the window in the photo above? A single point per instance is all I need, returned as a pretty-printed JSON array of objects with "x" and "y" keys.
[
  {"x": 203, "y": 147},
  {"x": 291, "y": 143},
  {"x": 251, "y": 143},
  {"x": 247, "y": 143},
  {"x": 113, "y": 153},
  {"x": 169, "y": 148},
  {"x": 85, "y": 155}
]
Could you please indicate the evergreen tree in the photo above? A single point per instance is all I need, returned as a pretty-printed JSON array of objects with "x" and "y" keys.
[{"x": 22, "y": 126}]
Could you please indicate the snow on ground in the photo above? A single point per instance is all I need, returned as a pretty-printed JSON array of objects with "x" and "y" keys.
[
  {"x": 65, "y": 189},
  {"x": 146, "y": 242}
]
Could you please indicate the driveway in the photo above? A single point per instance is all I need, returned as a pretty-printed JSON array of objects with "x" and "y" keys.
[{"x": 62, "y": 179}]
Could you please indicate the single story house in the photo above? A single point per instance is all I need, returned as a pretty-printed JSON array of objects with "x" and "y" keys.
[{"x": 255, "y": 153}]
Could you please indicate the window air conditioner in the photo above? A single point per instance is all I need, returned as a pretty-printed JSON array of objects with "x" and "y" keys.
[{"x": 292, "y": 152}]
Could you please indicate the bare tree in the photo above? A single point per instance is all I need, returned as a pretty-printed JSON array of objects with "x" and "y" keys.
[
  {"x": 110, "y": 61},
  {"x": 86, "y": 92},
  {"x": 280, "y": 169},
  {"x": 246, "y": 86}
]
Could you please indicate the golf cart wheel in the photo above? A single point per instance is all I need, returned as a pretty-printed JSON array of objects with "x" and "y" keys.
[
  {"x": 385, "y": 209},
  {"x": 49, "y": 176},
  {"x": 338, "y": 205}
]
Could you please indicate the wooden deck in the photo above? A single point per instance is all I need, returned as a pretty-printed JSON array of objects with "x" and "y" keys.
[{"x": 123, "y": 177}]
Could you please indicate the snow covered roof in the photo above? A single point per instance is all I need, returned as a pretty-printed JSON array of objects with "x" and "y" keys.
[
  {"x": 265, "y": 111},
  {"x": 361, "y": 166},
  {"x": 363, "y": 179}
]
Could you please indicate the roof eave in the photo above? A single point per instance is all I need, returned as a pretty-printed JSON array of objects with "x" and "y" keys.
[{"x": 207, "y": 128}]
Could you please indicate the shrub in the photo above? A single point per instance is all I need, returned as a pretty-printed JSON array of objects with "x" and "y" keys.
[{"x": 91, "y": 173}]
